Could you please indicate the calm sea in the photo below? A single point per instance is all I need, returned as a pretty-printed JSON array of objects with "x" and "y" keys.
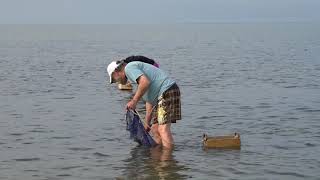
[{"x": 60, "y": 119}]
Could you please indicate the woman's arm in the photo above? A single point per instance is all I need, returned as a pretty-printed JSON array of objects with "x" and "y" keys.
[{"x": 143, "y": 85}]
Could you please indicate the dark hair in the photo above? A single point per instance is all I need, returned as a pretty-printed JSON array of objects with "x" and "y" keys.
[{"x": 120, "y": 63}]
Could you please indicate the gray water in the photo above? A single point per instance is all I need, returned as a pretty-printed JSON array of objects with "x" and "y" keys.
[{"x": 60, "y": 119}]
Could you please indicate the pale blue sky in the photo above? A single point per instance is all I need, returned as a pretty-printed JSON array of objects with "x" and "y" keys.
[{"x": 156, "y": 11}]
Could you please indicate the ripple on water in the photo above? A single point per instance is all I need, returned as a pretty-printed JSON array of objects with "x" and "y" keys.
[
  {"x": 27, "y": 159},
  {"x": 245, "y": 108},
  {"x": 210, "y": 117},
  {"x": 64, "y": 97},
  {"x": 38, "y": 131},
  {"x": 281, "y": 147},
  {"x": 17, "y": 134},
  {"x": 16, "y": 115},
  {"x": 61, "y": 137},
  {"x": 31, "y": 170},
  {"x": 290, "y": 87},
  {"x": 284, "y": 173},
  {"x": 307, "y": 109},
  {"x": 80, "y": 149},
  {"x": 100, "y": 154},
  {"x": 28, "y": 143},
  {"x": 68, "y": 167},
  {"x": 310, "y": 145},
  {"x": 264, "y": 106},
  {"x": 64, "y": 175},
  {"x": 104, "y": 139}
]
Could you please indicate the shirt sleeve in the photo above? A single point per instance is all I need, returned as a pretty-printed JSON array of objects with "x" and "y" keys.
[{"x": 133, "y": 72}]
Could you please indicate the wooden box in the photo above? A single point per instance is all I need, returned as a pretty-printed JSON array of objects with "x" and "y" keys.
[
  {"x": 125, "y": 86},
  {"x": 229, "y": 142}
]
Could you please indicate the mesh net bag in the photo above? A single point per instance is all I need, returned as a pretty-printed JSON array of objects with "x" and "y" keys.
[{"x": 137, "y": 131}]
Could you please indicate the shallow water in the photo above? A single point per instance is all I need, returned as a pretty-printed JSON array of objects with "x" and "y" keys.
[{"x": 60, "y": 119}]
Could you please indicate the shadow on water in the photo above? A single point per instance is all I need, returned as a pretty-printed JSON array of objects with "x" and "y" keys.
[{"x": 153, "y": 163}]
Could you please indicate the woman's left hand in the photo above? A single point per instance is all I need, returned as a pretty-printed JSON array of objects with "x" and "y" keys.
[{"x": 132, "y": 104}]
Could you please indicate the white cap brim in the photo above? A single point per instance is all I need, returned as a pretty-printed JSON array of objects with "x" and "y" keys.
[{"x": 111, "y": 68}]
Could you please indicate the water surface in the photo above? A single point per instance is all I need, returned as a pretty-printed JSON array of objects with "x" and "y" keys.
[{"x": 60, "y": 119}]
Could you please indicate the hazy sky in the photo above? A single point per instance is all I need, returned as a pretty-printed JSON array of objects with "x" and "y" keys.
[{"x": 155, "y": 11}]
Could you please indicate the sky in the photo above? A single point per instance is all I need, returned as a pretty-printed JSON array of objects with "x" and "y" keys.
[{"x": 156, "y": 11}]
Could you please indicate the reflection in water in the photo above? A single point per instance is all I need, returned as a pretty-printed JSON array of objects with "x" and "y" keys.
[{"x": 153, "y": 163}]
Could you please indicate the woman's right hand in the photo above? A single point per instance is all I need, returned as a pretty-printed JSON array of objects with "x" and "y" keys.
[{"x": 147, "y": 128}]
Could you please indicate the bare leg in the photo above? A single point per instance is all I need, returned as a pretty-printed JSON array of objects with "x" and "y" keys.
[
  {"x": 166, "y": 135},
  {"x": 155, "y": 133}
]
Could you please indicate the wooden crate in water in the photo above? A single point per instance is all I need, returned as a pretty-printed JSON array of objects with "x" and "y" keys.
[
  {"x": 228, "y": 142},
  {"x": 125, "y": 86}
]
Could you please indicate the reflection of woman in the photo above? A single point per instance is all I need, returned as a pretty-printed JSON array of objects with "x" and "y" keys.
[
  {"x": 154, "y": 163},
  {"x": 164, "y": 164}
]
